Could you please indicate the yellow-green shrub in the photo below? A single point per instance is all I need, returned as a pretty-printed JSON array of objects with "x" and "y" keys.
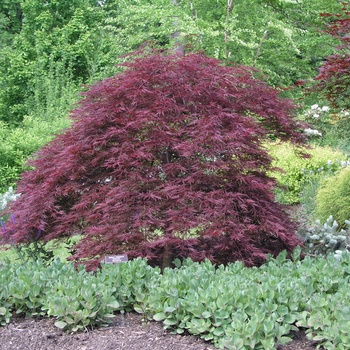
[
  {"x": 298, "y": 171},
  {"x": 333, "y": 197}
]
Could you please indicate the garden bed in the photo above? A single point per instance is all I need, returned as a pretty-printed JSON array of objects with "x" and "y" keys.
[{"x": 128, "y": 332}]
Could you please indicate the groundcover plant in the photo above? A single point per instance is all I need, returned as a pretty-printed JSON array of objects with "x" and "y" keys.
[{"x": 164, "y": 160}]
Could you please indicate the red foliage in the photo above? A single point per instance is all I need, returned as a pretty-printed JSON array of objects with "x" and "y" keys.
[
  {"x": 334, "y": 74},
  {"x": 172, "y": 144}
]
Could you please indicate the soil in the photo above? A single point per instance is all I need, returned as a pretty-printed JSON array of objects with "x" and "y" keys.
[{"x": 126, "y": 332}]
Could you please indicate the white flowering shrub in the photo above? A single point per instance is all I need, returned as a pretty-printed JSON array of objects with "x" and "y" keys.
[
  {"x": 319, "y": 118},
  {"x": 7, "y": 197},
  {"x": 327, "y": 127},
  {"x": 312, "y": 132}
]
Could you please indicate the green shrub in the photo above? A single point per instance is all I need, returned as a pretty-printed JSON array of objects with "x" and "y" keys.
[
  {"x": 255, "y": 308},
  {"x": 319, "y": 118},
  {"x": 18, "y": 144},
  {"x": 233, "y": 306},
  {"x": 26, "y": 252},
  {"x": 298, "y": 172},
  {"x": 77, "y": 298},
  {"x": 34, "y": 119},
  {"x": 333, "y": 197}
]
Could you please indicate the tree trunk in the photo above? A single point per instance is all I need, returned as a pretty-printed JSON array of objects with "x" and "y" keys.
[
  {"x": 229, "y": 9},
  {"x": 179, "y": 47},
  {"x": 167, "y": 257}
]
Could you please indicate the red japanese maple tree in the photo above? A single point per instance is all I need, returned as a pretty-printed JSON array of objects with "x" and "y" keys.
[
  {"x": 334, "y": 74},
  {"x": 164, "y": 160}
]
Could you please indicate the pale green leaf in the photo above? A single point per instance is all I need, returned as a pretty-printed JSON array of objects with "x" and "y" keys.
[
  {"x": 60, "y": 324},
  {"x": 284, "y": 340},
  {"x": 138, "y": 309},
  {"x": 169, "y": 322},
  {"x": 114, "y": 305},
  {"x": 206, "y": 314},
  {"x": 160, "y": 316}
]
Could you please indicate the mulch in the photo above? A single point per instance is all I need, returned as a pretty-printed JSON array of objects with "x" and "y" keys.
[{"x": 127, "y": 332}]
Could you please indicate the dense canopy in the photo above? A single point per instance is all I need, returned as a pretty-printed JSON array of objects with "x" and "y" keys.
[{"x": 164, "y": 160}]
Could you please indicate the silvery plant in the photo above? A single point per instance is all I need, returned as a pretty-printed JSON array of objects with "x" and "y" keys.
[{"x": 327, "y": 238}]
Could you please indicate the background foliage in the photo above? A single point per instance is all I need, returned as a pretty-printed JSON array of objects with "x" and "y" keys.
[
  {"x": 84, "y": 38},
  {"x": 18, "y": 144},
  {"x": 48, "y": 49},
  {"x": 333, "y": 198},
  {"x": 298, "y": 172}
]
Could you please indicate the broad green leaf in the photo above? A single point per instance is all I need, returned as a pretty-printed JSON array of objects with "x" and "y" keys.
[
  {"x": 69, "y": 320},
  {"x": 138, "y": 309},
  {"x": 169, "y": 309},
  {"x": 206, "y": 314},
  {"x": 114, "y": 305},
  {"x": 170, "y": 322},
  {"x": 232, "y": 344},
  {"x": 160, "y": 316},
  {"x": 268, "y": 343},
  {"x": 60, "y": 324},
  {"x": 218, "y": 331},
  {"x": 238, "y": 342},
  {"x": 318, "y": 338},
  {"x": 284, "y": 340},
  {"x": 207, "y": 337}
]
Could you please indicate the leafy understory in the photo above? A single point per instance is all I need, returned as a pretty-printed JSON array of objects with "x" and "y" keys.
[{"x": 234, "y": 307}]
